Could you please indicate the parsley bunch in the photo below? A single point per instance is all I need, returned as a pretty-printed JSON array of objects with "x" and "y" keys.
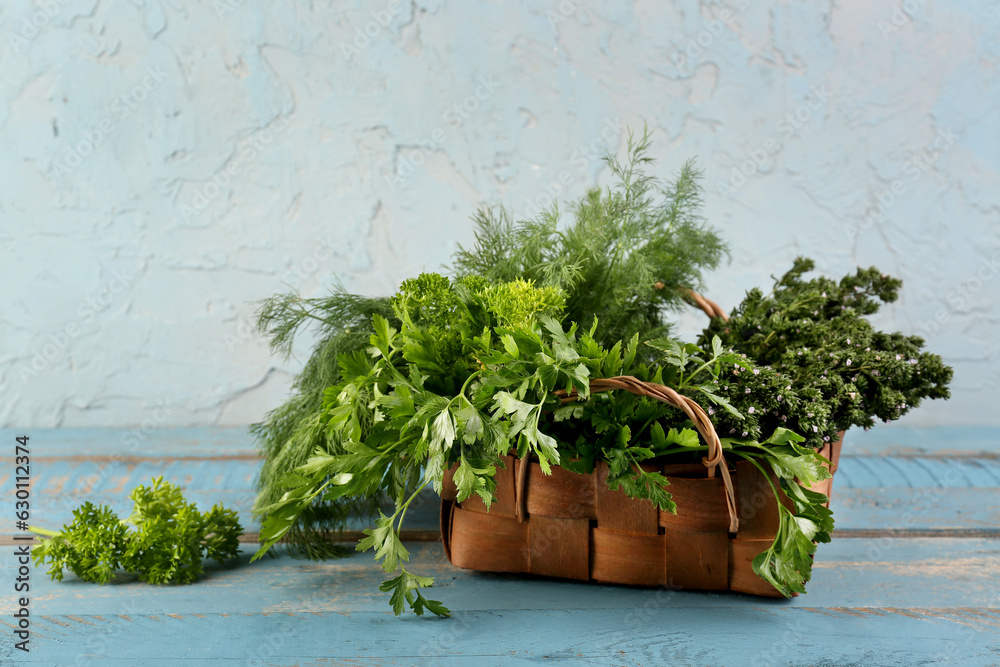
[
  {"x": 169, "y": 540},
  {"x": 815, "y": 333}
]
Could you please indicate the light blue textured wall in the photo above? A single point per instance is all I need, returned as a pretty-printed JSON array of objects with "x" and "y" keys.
[{"x": 165, "y": 163}]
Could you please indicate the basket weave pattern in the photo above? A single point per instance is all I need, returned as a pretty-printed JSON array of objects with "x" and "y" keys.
[
  {"x": 577, "y": 528},
  {"x": 572, "y": 526}
]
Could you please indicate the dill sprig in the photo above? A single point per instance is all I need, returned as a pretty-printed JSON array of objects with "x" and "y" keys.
[{"x": 625, "y": 257}]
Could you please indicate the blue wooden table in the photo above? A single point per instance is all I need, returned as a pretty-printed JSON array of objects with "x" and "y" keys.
[{"x": 912, "y": 576}]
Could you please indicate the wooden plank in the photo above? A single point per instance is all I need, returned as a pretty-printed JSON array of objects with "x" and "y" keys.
[
  {"x": 917, "y": 509},
  {"x": 977, "y": 441},
  {"x": 886, "y": 602},
  {"x": 873, "y": 599},
  {"x": 655, "y": 635},
  {"x": 61, "y": 485},
  {"x": 888, "y": 572},
  {"x": 869, "y": 493},
  {"x": 868, "y": 472}
]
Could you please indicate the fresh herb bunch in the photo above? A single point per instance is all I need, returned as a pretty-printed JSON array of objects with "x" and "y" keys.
[
  {"x": 815, "y": 333},
  {"x": 396, "y": 424},
  {"x": 169, "y": 541},
  {"x": 626, "y": 257},
  {"x": 436, "y": 303},
  {"x": 290, "y": 433},
  {"x": 768, "y": 399}
]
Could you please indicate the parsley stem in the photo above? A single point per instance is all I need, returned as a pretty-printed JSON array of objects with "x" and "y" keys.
[
  {"x": 695, "y": 372},
  {"x": 465, "y": 385},
  {"x": 406, "y": 505}
]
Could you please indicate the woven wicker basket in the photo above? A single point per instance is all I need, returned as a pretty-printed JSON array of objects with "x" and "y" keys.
[{"x": 572, "y": 526}]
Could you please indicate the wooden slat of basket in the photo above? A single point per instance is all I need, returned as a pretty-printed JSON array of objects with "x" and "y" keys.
[
  {"x": 559, "y": 547},
  {"x": 742, "y": 578},
  {"x": 563, "y": 494},
  {"x": 444, "y": 523},
  {"x": 618, "y": 512},
  {"x": 621, "y": 558},
  {"x": 697, "y": 559},
  {"x": 755, "y": 503},
  {"x": 488, "y": 543},
  {"x": 695, "y": 550},
  {"x": 701, "y": 505},
  {"x": 573, "y": 526},
  {"x": 504, "y": 504},
  {"x": 448, "y": 489}
]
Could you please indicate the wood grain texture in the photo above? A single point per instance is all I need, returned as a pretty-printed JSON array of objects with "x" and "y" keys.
[
  {"x": 891, "y": 602},
  {"x": 562, "y": 494},
  {"x": 624, "y": 558},
  {"x": 870, "y": 493},
  {"x": 981, "y": 442},
  {"x": 873, "y": 599},
  {"x": 742, "y": 578},
  {"x": 708, "y": 570},
  {"x": 559, "y": 547},
  {"x": 703, "y": 500},
  {"x": 489, "y": 542},
  {"x": 887, "y": 637},
  {"x": 755, "y": 503},
  {"x": 618, "y": 512},
  {"x": 894, "y": 572}
]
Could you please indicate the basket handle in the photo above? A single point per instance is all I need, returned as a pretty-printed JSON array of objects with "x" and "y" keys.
[
  {"x": 666, "y": 395},
  {"x": 711, "y": 308}
]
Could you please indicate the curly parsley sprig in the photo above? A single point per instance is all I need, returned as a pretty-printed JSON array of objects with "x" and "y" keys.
[
  {"x": 816, "y": 333},
  {"x": 167, "y": 543}
]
